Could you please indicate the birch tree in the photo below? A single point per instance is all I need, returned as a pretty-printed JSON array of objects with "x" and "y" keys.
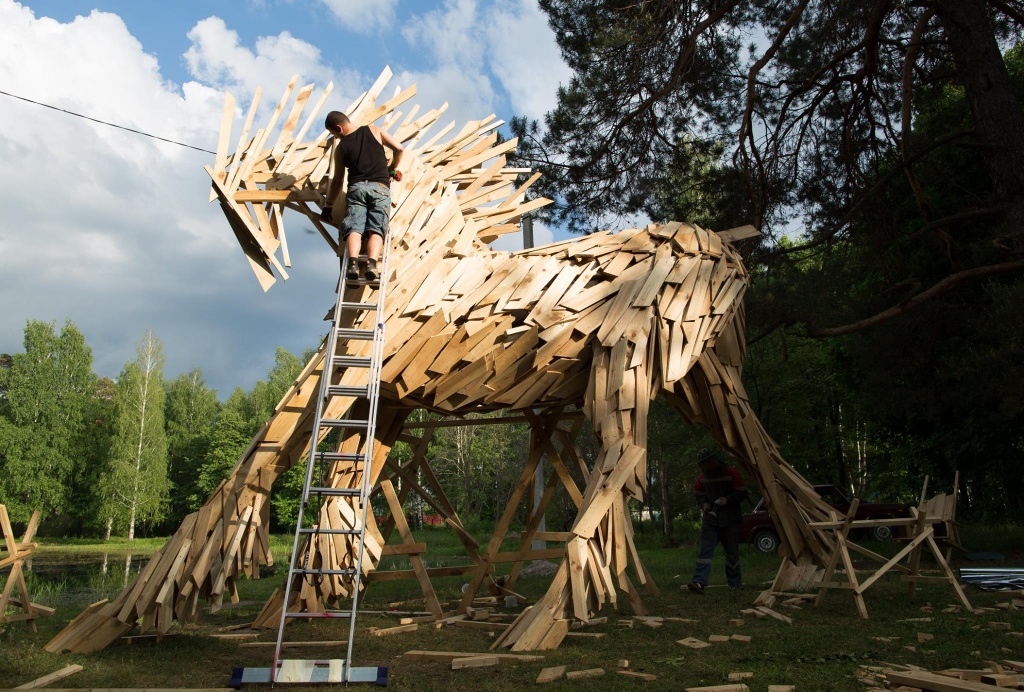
[{"x": 136, "y": 482}]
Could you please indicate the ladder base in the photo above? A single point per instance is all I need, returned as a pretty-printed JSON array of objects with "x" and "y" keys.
[{"x": 318, "y": 675}]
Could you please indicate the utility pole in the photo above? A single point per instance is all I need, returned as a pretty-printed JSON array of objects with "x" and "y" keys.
[{"x": 538, "y": 479}]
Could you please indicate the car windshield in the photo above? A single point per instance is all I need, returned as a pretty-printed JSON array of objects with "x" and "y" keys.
[{"x": 832, "y": 495}]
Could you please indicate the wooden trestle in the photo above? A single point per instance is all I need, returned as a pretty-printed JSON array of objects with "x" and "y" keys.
[{"x": 601, "y": 324}]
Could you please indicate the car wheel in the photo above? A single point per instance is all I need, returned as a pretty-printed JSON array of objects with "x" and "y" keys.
[
  {"x": 766, "y": 542},
  {"x": 881, "y": 533}
]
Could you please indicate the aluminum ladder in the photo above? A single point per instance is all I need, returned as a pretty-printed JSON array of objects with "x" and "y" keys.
[{"x": 320, "y": 468}]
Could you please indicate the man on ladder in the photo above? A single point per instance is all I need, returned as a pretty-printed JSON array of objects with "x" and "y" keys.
[{"x": 360, "y": 153}]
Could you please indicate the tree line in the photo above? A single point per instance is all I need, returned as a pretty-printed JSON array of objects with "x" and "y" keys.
[{"x": 102, "y": 457}]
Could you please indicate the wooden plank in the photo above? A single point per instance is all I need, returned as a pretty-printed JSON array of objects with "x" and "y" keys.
[
  {"x": 64, "y": 672},
  {"x": 449, "y": 656},
  {"x": 551, "y": 674},
  {"x": 398, "y": 629},
  {"x": 482, "y": 661},
  {"x": 936, "y": 683},
  {"x": 417, "y": 563}
]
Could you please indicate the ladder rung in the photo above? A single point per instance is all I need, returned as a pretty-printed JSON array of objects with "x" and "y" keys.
[
  {"x": 339, "y": 456},
  {"x": 351, "y": 361},
  {"x": 345, "y": 333},
  {"x": 332, "y": 532},
  {"x": 302, "y": 570},
  {"x": 344, "y": 423},
  {"x": 323, "y": 614},
  {"x": 347, "y": 305},
  {"x": 336, "y": 492},
  {"x": 347, "y": 390}
]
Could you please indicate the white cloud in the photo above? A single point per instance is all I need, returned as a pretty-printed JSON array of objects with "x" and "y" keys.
[
  {"x": 523, "y": 55},
  {"x": 363, "y": 16},
  {"x": 217, "y": 57},
  {"x": 111, "y": 229}
]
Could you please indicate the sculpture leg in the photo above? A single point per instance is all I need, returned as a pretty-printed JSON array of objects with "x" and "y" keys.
[{"x": 600, "y": 544}]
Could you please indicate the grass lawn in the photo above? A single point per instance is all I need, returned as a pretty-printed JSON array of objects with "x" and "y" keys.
[{"x": 821, "y": 650}]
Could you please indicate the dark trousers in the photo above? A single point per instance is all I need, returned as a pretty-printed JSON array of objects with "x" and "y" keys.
[{"x": 711, "y": 536}]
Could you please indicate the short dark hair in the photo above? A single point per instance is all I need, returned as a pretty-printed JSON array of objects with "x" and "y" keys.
[{"x": 335, "y": 120}]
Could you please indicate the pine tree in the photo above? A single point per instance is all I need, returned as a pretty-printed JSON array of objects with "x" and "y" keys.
[{"x": 136, "y": 483}]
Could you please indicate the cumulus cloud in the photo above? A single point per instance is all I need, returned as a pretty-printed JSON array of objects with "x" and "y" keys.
[
  {"x": 111, "y": 229},
  {"x": 522, "y": 53},
  {"x": 363, "y": 16},
  {"x": 217, "y": 57}
]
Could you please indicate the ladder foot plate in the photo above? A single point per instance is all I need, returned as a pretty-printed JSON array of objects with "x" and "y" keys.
[{"x": 377, "y": 675}]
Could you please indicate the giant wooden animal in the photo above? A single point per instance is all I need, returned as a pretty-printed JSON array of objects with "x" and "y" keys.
[{"x": 605, "y": 322}]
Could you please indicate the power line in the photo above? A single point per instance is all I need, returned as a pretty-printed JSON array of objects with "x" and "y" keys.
[{"x": 104, "y": 122}]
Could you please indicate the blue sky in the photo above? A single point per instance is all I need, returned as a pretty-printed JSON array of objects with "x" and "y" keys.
[{"x": 113, "y": 230}]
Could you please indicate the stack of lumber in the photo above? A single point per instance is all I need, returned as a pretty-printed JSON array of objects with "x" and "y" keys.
[{"x": 603, "y": 323}]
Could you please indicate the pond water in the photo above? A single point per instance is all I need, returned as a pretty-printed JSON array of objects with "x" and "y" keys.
[{"x": 56, "y": 579}]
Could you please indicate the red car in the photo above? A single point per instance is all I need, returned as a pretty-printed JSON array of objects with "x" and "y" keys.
[{"x": 759, "y": 529}]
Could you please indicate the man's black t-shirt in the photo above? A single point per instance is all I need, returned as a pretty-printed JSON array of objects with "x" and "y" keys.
[{"x": 364, "y": 157}]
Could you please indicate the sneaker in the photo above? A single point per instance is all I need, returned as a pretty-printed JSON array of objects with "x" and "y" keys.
[
  {"x": 696, "y": 587},
  {"x": 352, "y": 274},
  {"x": 371, "y": 270}
]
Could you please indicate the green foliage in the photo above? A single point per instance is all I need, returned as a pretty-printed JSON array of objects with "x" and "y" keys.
[
  {"x": 478, "y": 466},
  {"x": 228, "y": 440},
  {"x": 135, "y": 482},
  {"x": 43, "y": 397},
  {"x": 192, "y": 410}
]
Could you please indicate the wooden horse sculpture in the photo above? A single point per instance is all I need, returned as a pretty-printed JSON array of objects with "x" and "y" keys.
[{"x": 606, "y": 323}]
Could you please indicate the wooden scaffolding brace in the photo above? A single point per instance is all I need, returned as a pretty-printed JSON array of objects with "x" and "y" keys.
[
  {"x": 16, "y": 554},
  {"x": 603, "y": 323},
  {"x": 920, "y": 527}
]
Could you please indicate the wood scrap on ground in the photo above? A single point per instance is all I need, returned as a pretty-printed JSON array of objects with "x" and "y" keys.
[{"x": 51, "y": 678}]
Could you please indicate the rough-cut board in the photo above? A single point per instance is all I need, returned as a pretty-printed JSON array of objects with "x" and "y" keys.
[
  {"x": 64, "y": 672},
  {"x": 551, "y": 674},
  {"x": 601, "y": 324}
]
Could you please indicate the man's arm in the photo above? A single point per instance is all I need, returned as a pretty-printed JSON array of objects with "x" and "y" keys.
[
  {"x": 394, "y": 145},
  {"x": 339, "y": 175},
  {"x": 739, "y": 488},
  {"x": 700, "y": 495}
]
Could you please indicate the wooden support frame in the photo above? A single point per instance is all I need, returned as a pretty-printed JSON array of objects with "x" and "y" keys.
[
  {"x": 922, "y": 537},
  {"x": 16, "y": 554}
]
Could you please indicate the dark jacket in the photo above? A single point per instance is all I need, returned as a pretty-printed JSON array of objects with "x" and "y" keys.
[{"x": 726, "y": 483}]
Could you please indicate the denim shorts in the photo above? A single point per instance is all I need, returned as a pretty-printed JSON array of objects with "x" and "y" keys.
[{"x": 369, "y": 206}]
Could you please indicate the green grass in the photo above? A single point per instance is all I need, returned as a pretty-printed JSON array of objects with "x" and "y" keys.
[{"x": 821, "y": 650}]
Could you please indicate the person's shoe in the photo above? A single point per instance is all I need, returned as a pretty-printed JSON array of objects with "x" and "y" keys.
[
  {"x": 696, "y": 587},
  {"x": 352, "y": 273},
  {"x": 736, "y": 587},
  {"x": 371, "y": 270}
]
